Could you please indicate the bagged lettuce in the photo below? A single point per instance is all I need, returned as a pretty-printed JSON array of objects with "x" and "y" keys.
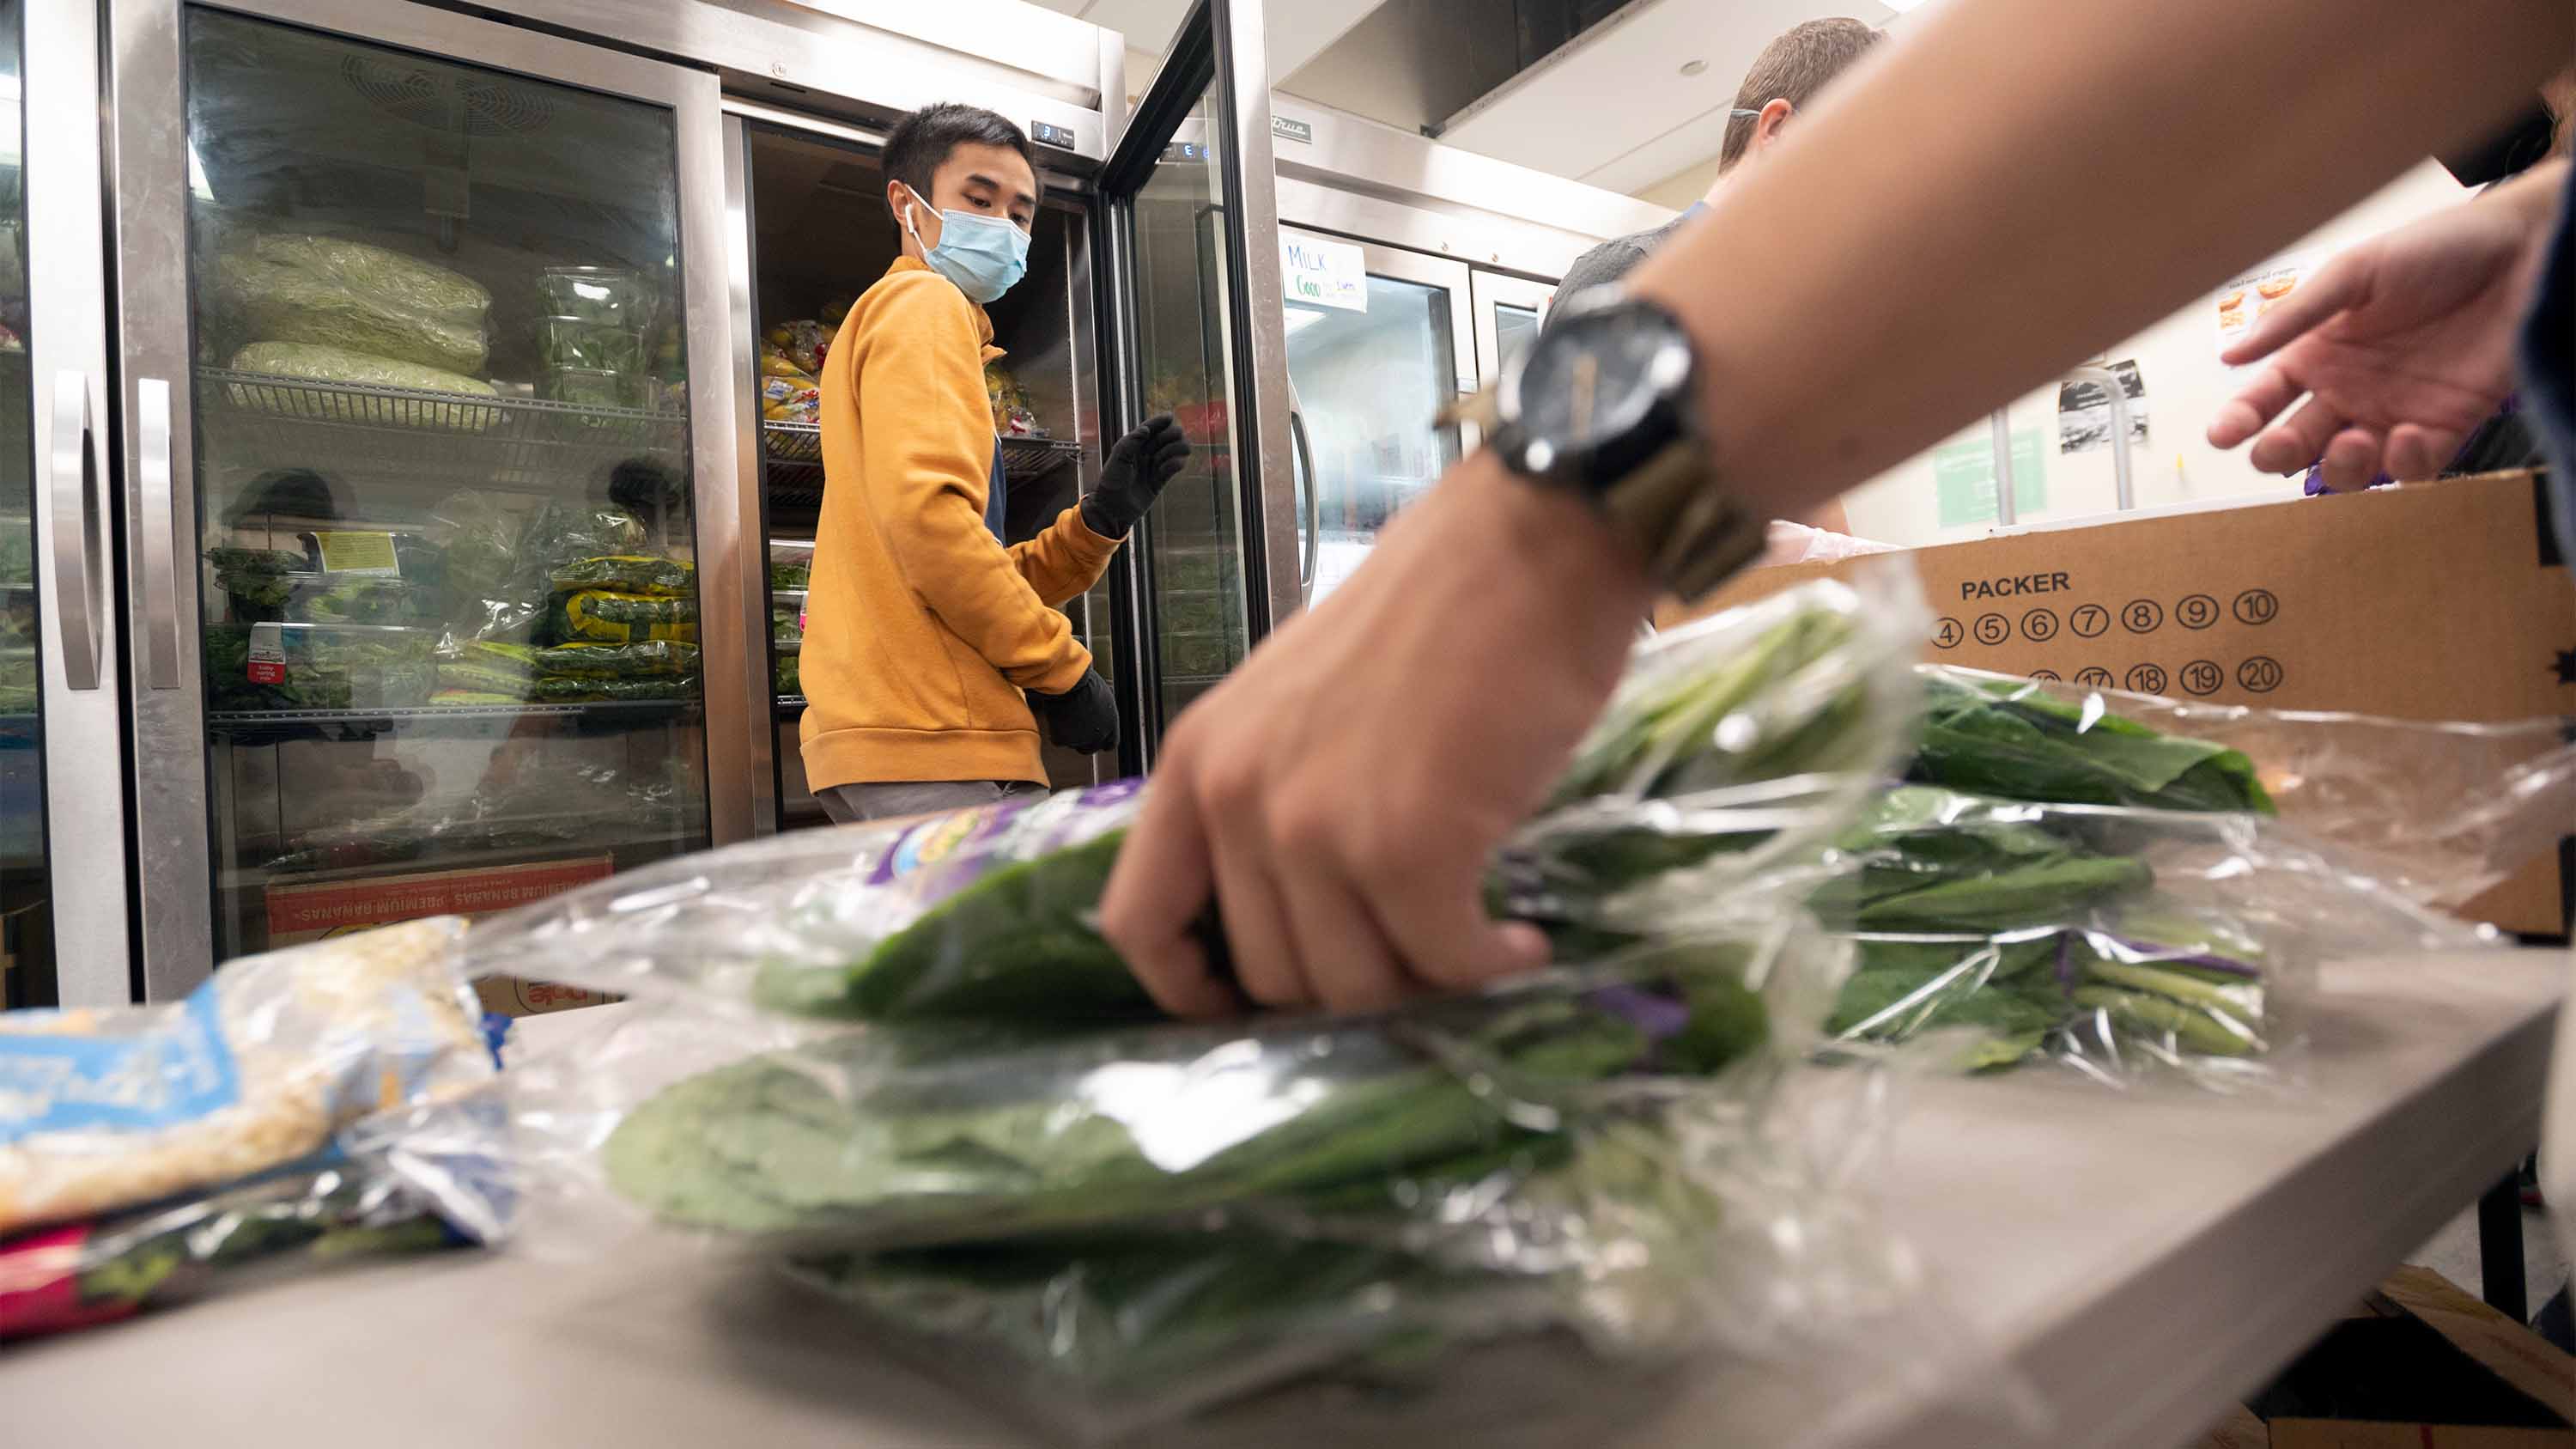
[{"x": 354, "y": 297}]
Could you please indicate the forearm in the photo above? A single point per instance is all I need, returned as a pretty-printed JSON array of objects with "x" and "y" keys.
[{"x": 1914, "y": 254}]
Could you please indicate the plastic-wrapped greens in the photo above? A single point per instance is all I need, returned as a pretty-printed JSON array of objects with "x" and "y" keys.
[
  {"x": 257, "y": 582},
  {"x": 345, "y": 294},
  {"x": 2116, "y": 940},
  {"x": 629, "y": 574},
  {"x": 615, "y": 618},
  {"x": 2437, "y": 811},
  {"x": 652, "y": 658},
  {"x": 384, "y": 668},
  {"x": 315, "y": 362}
]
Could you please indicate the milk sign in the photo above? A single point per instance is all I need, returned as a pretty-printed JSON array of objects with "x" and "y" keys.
[{"x": 1323, "y": 273}]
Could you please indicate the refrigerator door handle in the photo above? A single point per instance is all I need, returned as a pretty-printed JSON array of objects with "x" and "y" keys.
[
  {"x": 77, "y": 562},
  {"x": 1311, "y": 554},
  {"x": 158, "y": 580}
]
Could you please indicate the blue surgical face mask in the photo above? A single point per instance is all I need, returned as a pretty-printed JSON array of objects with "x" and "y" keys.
[{"x": 983, "y": 255}]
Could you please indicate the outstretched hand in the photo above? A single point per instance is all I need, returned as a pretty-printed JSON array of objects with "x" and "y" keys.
[
  {"x": 1341, "y": 794},
  {"x": 2402, "y": 345}
]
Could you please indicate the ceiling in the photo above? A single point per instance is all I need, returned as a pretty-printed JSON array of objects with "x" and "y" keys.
[
  {"x": 1296, "y": 30},
  {"x": 1611, "y": 108}
]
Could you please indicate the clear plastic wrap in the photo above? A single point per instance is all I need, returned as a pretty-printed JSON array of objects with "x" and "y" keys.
[
  {"x": 2436, "y": 811},
  {"x": 315, "y": 362},
  {"x": 1799, "y": 543},
  {"x": 2118, "y": 941},
  {"x": 262, "y": 1065},
  {"x": 413, "y": 1178},
  {"x": 1131, "y": 1224},
  {"x": 1737, "y": 743},
  {"x": 343, "y": 294}
]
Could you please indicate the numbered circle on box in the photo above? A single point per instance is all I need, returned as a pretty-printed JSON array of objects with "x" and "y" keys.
[
  {"x": 2202, "y": 677},
  {"x": 1946, "y": 633},
  {"x": 2260, "y": 674},
  {"x": 2142, "y": 616},
  {"x": 2147, "y": 678},
  {"x": 2089, "y": 621},
  {"x": 2257, "y": 606},
  {"x": 2049, "y": 675},
  {"x": 2039, "y": 625},
  {"x": 2196, "y": 611},
  {"x": 1993, "y": 629},
  {"x": 2093, "y": 677}
]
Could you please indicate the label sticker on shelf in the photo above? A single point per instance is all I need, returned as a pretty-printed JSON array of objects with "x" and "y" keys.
[
  {"x": 267, "y": 654},
  {"x": 358, "y": 553}
]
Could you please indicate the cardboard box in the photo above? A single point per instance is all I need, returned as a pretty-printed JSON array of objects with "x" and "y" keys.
[
  {"x": 2421, "y": 1364},
  {"x": 309, "y": 911},
  {"x": 2435, "y": 601}
]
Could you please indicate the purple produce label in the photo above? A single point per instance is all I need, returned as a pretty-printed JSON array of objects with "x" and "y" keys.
[{"x": 967, "y": 844}]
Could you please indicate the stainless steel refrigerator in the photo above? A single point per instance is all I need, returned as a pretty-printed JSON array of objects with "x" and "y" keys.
[
  {"x": 404, "y": 528},
  {"x": 1416, "y": 272}
]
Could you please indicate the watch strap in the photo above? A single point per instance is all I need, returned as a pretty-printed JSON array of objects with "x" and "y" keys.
[{"x": 1692, "y": 535}]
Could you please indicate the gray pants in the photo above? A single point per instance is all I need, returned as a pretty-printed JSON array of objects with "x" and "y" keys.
[{"x": 848, "y": 803}]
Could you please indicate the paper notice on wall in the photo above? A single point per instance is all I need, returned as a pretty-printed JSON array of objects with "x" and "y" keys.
[
  {"x": 2248, "y": 297},
  {"x": 2084, "y": 411}
]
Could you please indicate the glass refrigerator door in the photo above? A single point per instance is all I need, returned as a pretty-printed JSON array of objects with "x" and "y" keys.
[
  {"x": 1220, "y": 560},
  {"x": 1509, "y": 312},
  {"x": 63, "y": 935},
  {"x": 1371, "y": 376},
  {"x": 441, "y": 553}
]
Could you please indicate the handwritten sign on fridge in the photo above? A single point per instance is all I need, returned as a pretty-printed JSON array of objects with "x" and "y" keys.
[{"x": 1324, "y": 273}]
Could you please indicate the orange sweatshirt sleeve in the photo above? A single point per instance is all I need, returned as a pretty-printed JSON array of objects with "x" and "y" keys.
[
  {"x": 927, "y": 459},
  {"x": 1066, "y": 560}
]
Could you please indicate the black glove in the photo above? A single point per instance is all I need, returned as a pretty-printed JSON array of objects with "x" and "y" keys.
[
  {"x": 1083, "y": 718},
  {"x": 1138, "y": 467}
]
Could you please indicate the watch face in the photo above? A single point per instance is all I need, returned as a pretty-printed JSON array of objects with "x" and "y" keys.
[{"x": 1593, "y": 378}]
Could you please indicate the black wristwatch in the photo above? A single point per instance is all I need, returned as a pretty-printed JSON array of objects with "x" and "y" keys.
[{"x": 1605, "y": 404}]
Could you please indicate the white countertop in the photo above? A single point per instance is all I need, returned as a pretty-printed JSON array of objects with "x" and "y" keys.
[{"x": 2143, "y": 1259}]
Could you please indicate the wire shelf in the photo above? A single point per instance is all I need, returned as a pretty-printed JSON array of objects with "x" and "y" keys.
[
  {"x": 792, "y": 442},
  {"x": 617, "y": 711},
  {"x": 261, "y": 421},
  {"x": 795, "y": 453},
  {"x": 1028, "y": 459}
]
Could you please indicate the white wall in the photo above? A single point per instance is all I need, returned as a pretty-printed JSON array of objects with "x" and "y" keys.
[
  {"x": 2178, "y": 360},
  {"x": 1683, "y": 187}
]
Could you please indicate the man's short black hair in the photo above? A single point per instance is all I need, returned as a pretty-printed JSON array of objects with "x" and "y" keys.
[{"x": 919, "y": 143}]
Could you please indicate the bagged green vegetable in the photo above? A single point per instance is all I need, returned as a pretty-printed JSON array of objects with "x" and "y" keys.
[
  {"x": 2437, "y": 811},
  {"x": 323, "y": 668},
  {"x": 256, "y": 582},
  {"x": 599, "y": 615},
  {"x": 653, "y": 658},
  {"x": 629, "y": 574},
  {"x": 315, "y": 362},
  {"x": 2119, "y": 942},
  {"x": 331, "y": 291},
  {"x": 2003, "y": 737}
]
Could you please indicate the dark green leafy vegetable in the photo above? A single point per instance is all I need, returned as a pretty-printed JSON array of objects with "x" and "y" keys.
[
  {"x": 2006, "y": 738},
  {"x": 932, "y": 1135},
  {"x": 628, "y": 574}
]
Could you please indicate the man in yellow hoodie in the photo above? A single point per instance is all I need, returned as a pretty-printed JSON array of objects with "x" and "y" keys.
[{"x": 931, "y": 649}]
